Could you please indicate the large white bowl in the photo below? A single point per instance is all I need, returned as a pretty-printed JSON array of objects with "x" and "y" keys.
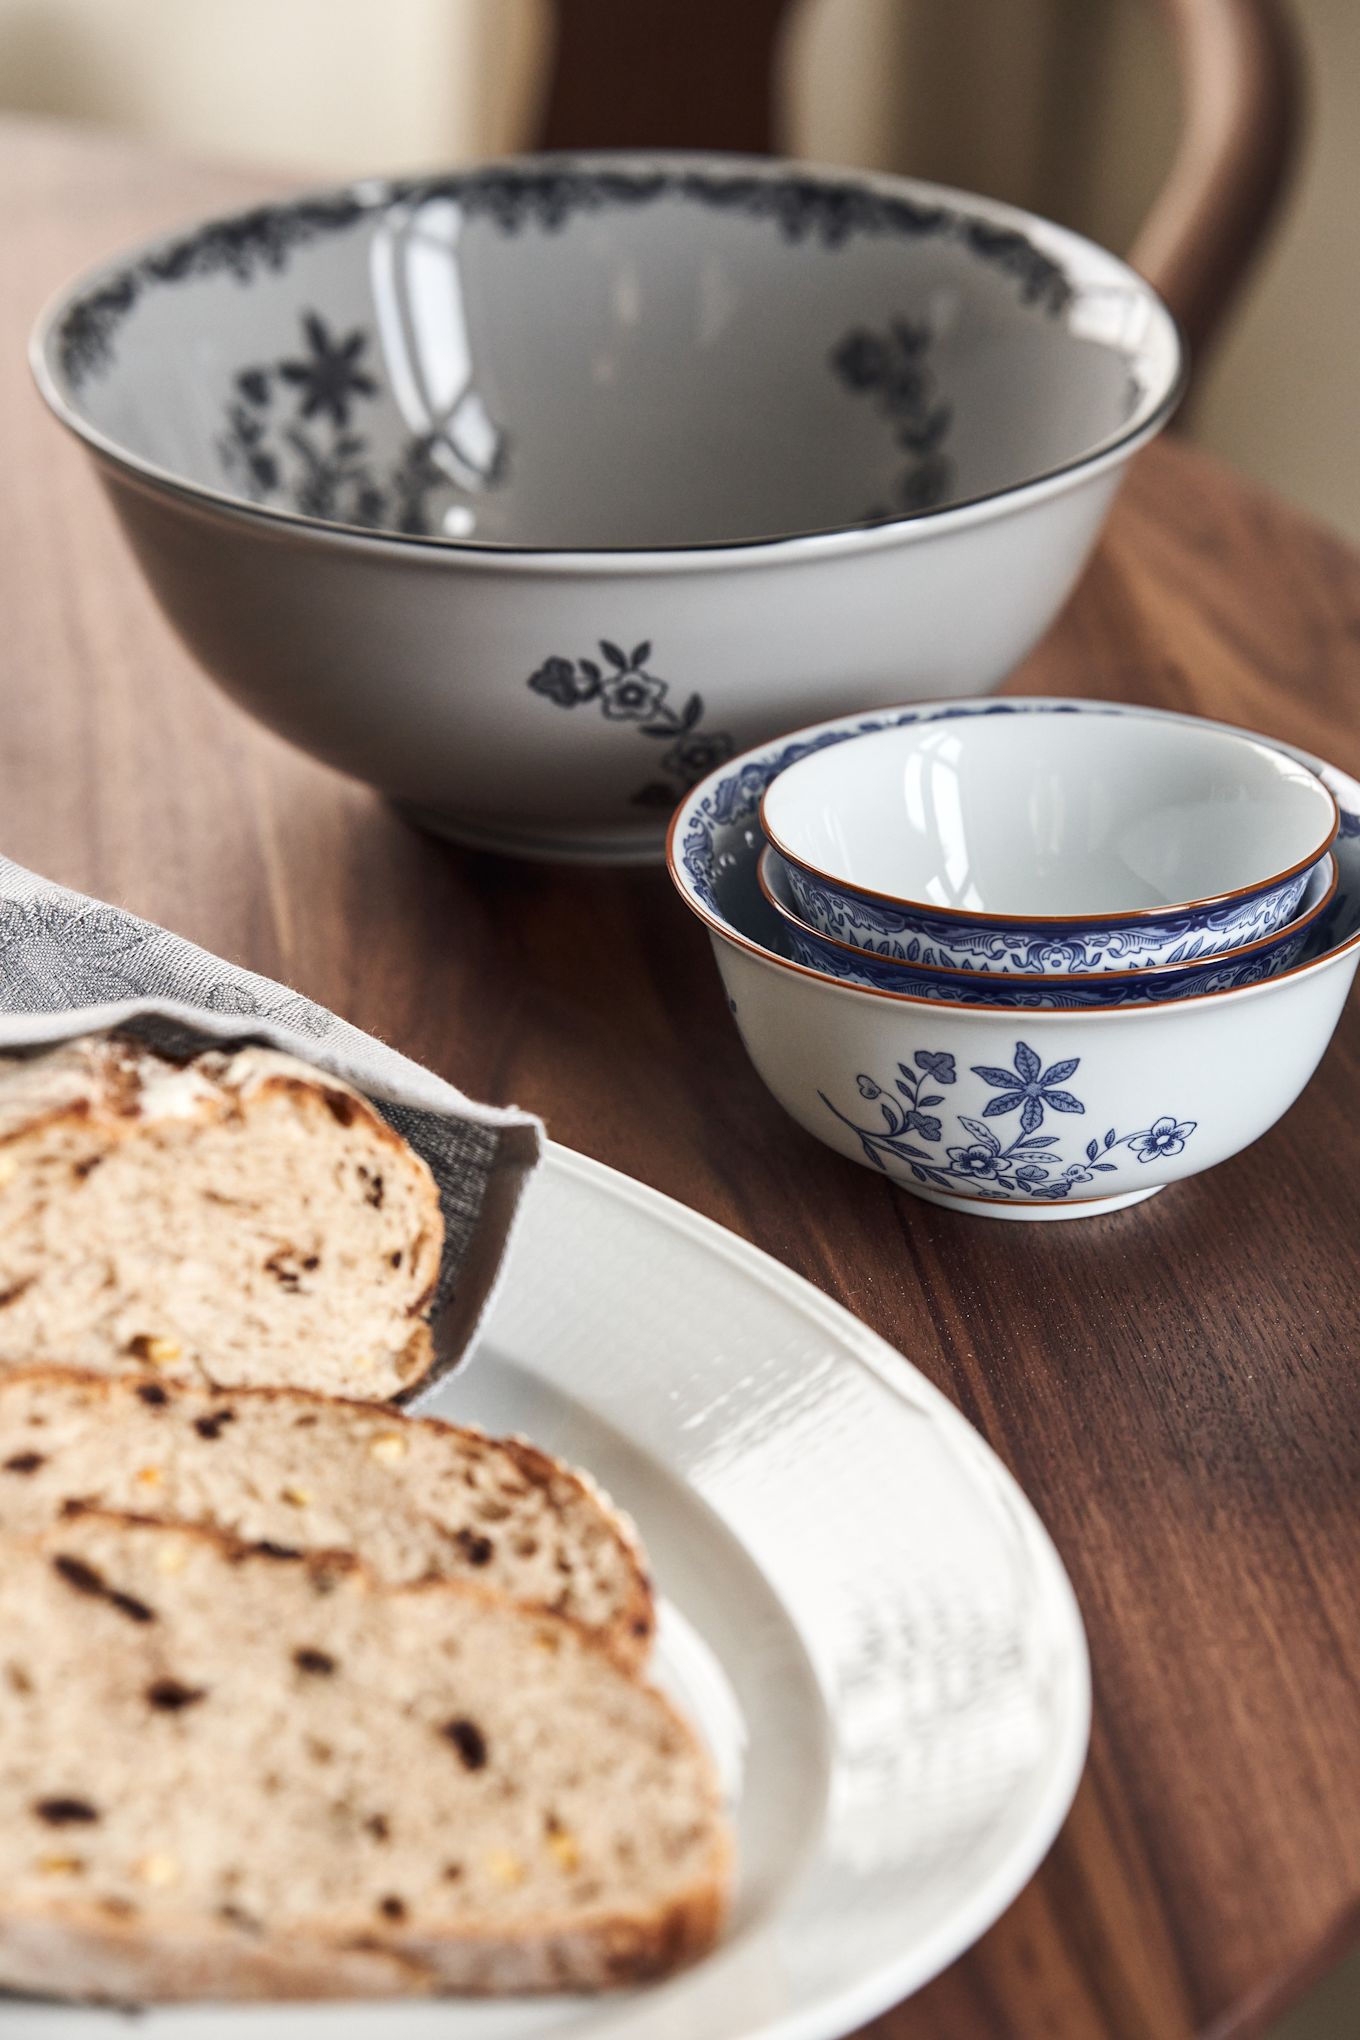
[
  {"x": 1059, "y": 843},
  {"x": 530, "y": 493},
  {"x": 1005, "y": 1114}
]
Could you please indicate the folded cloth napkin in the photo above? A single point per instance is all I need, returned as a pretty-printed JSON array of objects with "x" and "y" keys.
[{"x": 71, "y": 965}]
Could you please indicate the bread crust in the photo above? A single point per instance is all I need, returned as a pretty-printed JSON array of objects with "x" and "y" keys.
[
  {"x": 628, "y": 1638},
  {"x": 71, "y": 1948},
  {"x": 112, "y": 1962}
]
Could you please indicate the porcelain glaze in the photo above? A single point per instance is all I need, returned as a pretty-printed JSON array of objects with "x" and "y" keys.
[
  {"x": 1160, "y": 1091},
  {"x": 589, "y": 472},
  {"x": 1062, "y": 843},
  {"x": 994, "y": 987}
]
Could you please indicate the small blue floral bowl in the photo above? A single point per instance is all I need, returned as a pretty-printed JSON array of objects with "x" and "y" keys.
[
  {"x": 1245, "y": 966},
  {"x": 1059, "y": 846},
  {"x": 1051, "y": 1113}
]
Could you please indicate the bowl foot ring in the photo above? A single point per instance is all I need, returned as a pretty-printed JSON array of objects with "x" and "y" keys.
[
  {"x": 1076, "y": 1207},
  {"x": 626, "y": 845}
]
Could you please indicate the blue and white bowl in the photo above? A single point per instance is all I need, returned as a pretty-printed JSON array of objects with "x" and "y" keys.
[
  {"x": 1064, "y": 844},
  {"x": 1245, "y": 966},
  {"x": 531, "y": 492},
  {"x": 1046, "y": 1114}
]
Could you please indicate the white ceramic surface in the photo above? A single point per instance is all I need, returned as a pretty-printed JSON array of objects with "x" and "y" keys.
[
  {"x": 529, "y": 494},
  {"x": 861, "y": 1611},
  {"x": 1007, "y": 1114},
  {"x": 885, "y": 969},
  {"x": 1059, "y": 836}
]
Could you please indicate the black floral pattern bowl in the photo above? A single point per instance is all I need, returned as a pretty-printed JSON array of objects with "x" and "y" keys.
[
  {"x": 1033, "y": 1103},
  {"x": 529, "y": 493}
]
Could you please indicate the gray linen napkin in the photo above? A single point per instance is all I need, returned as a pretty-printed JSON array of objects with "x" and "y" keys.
[{"x": 70, "y": 965}]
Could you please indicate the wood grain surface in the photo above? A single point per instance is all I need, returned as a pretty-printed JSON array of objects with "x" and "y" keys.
[{"x": 1175, "y": 1386}]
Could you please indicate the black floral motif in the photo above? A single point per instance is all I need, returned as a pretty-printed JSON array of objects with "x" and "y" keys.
[
  {"x": 565, "y": 683},
  {"x": 631, "y": 696},
  {"x": 697, "y": 754},
  {"x": 891, "y": 369},
  {"x": 287, "y": 435},
  {"x": 627, "y": 692},
  {"x": 240, "y": 247},
  {"x": 547, "y": 195},
  {"x": 330, "y": 376}
]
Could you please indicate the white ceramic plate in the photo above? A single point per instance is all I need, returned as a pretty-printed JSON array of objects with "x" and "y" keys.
[{"x": 862, "y": 1612}]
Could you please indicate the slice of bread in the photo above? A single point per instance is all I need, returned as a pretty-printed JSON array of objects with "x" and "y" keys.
[
  {"x": 412, "y": 1497},
  {"x": 224, "y": 1775},
  {"x": 238, "y": 1219}
]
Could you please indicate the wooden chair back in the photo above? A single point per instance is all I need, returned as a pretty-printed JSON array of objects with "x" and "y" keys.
[{"x": 700, "y": 74}]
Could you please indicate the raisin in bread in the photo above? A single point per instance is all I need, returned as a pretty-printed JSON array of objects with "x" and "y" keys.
[
  {"x": 225, "y": 1775},
  {"x": 412, "y": 1497},
  {"x": 241, "y": 1218}
]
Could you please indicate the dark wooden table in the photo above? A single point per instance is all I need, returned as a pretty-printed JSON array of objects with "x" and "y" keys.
[{"x": 1176, "y": 1387}]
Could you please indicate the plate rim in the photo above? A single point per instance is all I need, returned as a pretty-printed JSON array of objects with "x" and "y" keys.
[{"x": 839, "y": 2011}]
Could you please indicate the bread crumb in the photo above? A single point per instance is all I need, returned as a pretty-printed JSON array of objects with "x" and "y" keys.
[
  {"x": 9, "y": 1169},
  {"x": 503, "y": 1868},
  {"x": 563, "y": 1847},
  {"x": 387, "y": 1447},
  {"x": 158, "y": 1870},
  {"x": 149, "y": 1476},
  {"x": 60, "y": 1866},
  {"x": 170, "y": 1558},
  {"x": 298, "y": 1497}
]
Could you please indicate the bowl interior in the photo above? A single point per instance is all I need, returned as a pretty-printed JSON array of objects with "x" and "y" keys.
[
  {"x": 716, "y": 837},
  {"x": 1049, "y": 816},
  {"x": 616, "y": 353}
]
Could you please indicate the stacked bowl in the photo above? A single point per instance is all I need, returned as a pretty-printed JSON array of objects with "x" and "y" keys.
[{"x": 1033, "y": 959}]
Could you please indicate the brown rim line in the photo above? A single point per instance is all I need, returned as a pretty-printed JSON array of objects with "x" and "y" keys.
[
  {"x": 1299, "y": 924},
  {"x": 1039, "y": 1015},
  {"x": 978, "y": 920},
  {"x": 1113, "y": 449}
]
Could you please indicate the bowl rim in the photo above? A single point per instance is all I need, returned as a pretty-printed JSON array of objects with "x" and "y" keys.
[
  {"x": 1035, "y": 1015},
  {"x": 375, "y": 193},
  {"x": 1299, "y": 923},
  {"x": 972, "y": 917}
]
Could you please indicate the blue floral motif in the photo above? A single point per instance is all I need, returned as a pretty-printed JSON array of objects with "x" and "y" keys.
[
  {"x": 1029, "y": 1165},
  {"x": 1060, "y": 994},
  {"x": 909, "y": 935},
  {"x": 1029, "y": 1087},
  {"x": 627, "y": 692},
  {"x": 940, "y": 1067},
  {"x": 1164, "y": 1137}
]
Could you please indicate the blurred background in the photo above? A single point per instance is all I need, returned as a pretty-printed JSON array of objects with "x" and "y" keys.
[{"x": 1066, "y": 106}]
